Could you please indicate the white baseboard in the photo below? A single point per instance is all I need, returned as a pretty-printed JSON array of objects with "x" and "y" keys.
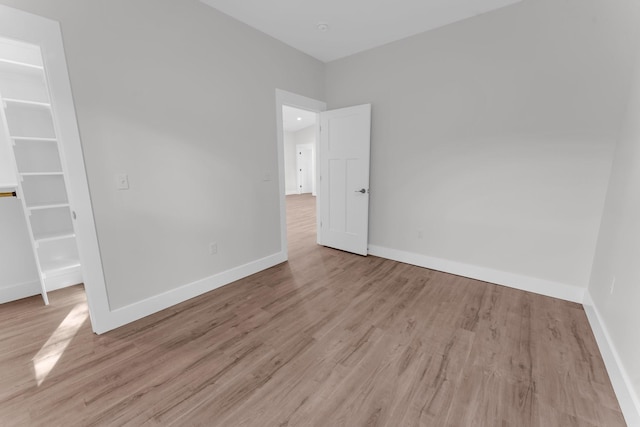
[
  {"x": 23, "y": 290},
  {"x": 66, "y": 278},
  {"x": 525, "y": 283},
  {"x": 122, "y": 316},
  {"x": 622, "y": 384},
  {"x": 19, "y": 291},
  {"x": 290, "y": 193}
]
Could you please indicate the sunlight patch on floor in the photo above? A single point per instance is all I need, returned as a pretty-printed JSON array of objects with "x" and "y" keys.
[{"x": 47, "y": 358}]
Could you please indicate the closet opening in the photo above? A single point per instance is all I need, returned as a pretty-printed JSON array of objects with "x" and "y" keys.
[
  {"x": 40, "y": 252},
  {"x": 48, "y": 234}
]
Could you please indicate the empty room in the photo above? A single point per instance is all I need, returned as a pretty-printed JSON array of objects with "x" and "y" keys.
[{"x": 297, "y": 213}]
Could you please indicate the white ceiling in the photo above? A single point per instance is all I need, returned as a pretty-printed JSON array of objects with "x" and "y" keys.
[
  {"x": 294, "y": 119},
  {"x": 354, "y": 25}
]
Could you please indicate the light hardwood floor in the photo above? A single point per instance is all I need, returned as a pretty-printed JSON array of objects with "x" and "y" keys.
[{"x": 327, "y": 339}]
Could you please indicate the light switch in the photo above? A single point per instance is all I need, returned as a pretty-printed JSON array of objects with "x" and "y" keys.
[{"x": 122, "y": 181}]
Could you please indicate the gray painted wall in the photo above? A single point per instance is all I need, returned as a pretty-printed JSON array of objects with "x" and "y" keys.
[
  {"x": 182, "y": 98},
  {"x": 618, "y": 253},
  {"x": 494, "y": 136}
]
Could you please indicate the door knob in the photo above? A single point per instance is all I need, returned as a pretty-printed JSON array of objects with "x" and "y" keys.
[{"x": 361, "y": 191}]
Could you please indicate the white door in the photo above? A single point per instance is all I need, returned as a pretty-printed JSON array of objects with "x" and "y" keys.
[
  {"x": 344, "y": 178},
  {"x": 304, "y": 163}
]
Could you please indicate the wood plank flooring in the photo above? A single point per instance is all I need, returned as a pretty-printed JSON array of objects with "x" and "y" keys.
[{"x": 327, "y": 339}]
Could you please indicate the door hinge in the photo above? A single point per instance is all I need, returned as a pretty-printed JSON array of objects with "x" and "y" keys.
[{"x": 320, "y": 224}]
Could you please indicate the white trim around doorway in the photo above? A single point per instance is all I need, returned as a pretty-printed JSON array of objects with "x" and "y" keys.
[{"x": 298, "y": 101}]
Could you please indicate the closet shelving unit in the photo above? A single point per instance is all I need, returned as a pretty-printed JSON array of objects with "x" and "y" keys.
[{"x": 29, "y": 127}]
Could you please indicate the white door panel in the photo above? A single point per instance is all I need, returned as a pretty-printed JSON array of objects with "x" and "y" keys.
[
  {"x": 304, "y": 164},
  {"x": 344, "y": 178}
]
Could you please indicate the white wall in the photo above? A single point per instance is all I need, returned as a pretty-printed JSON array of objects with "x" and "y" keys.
[
  {"x": 163, "y": 91},
  {"x": 18, "y": 272},
  {"x": 493, "y": 138},
  {"x": 290, "y": 173},
  {"x": 618, "y": 251},
  {"x": 306, "y": 135}
]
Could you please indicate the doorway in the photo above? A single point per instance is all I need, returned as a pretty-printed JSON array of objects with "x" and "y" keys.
[
  {"x": 297, "y": 129},
  {"x": 342, "y": 173},
  {"x": 300, "y": 129},
  {"x": 299, "y": 144},
  {"x": 41, "y": 217},
  {"x": 45, "y": 34}
]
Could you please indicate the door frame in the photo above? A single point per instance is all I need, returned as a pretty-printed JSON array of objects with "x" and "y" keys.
[
  {"x": 304, "y": 103},
  {"x": 45, "y": 33}
]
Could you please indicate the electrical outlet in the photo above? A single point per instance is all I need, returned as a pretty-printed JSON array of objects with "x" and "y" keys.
[
  {"x": 122, "y": 181},
  {"x": 213, "y": 248},
  {"x": 613, "y": 285},
  {"x": 420, "y": 234}
]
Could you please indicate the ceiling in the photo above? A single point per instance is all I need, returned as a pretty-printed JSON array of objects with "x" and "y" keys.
[
  {"x": 353, "y": 25},
  {"x": 294, "y": 119}
]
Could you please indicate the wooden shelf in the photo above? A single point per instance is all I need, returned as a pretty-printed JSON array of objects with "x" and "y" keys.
[
  {"x": 51, "y": 237},
  {"x": 27, "y": 102}
]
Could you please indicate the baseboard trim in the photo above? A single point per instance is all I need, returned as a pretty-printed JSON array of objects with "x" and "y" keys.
[
  {"x": 65, "y": 279},
  {"x": 19, "y": 291},
  {"x": 525, "y": 283},
  {"x": 622, "y": 384},
  {"x": 130, "y": 313}
]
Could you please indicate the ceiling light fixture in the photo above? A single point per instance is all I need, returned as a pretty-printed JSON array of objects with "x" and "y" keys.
[
  {"x": 299, "y": 118},
  {"x": 323, "y": 27}
]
